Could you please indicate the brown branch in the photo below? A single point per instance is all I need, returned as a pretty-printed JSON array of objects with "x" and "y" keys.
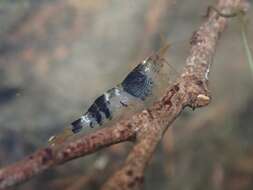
[
  {"x": 146, "y": 128},
  {"x": 191, "y": 90},
  {"x": 51, "y": 156}
]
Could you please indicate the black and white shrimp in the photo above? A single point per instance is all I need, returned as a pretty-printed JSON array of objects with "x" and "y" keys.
[{"x": 131, "y": 95}]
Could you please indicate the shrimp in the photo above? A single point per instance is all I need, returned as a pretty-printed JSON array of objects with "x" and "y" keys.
[{"x": 123, "y": 100}]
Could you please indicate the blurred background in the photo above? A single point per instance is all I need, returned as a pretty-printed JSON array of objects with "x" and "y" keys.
[{"x": 57, "y": 56}]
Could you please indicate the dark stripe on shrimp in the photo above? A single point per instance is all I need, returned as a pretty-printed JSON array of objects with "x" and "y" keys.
[
  {"x": 102, "y": 105},
  {"x": 77, "y": 125},
  {"x": 94, "y": 112},
  {"x": 137, "y": 83}
]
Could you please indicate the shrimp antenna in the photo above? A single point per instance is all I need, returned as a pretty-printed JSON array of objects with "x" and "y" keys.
[
  {"x": 161, "y": 52},
  {"x": 164, "y": 48},
  {"x": 173, "y": 68}
]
